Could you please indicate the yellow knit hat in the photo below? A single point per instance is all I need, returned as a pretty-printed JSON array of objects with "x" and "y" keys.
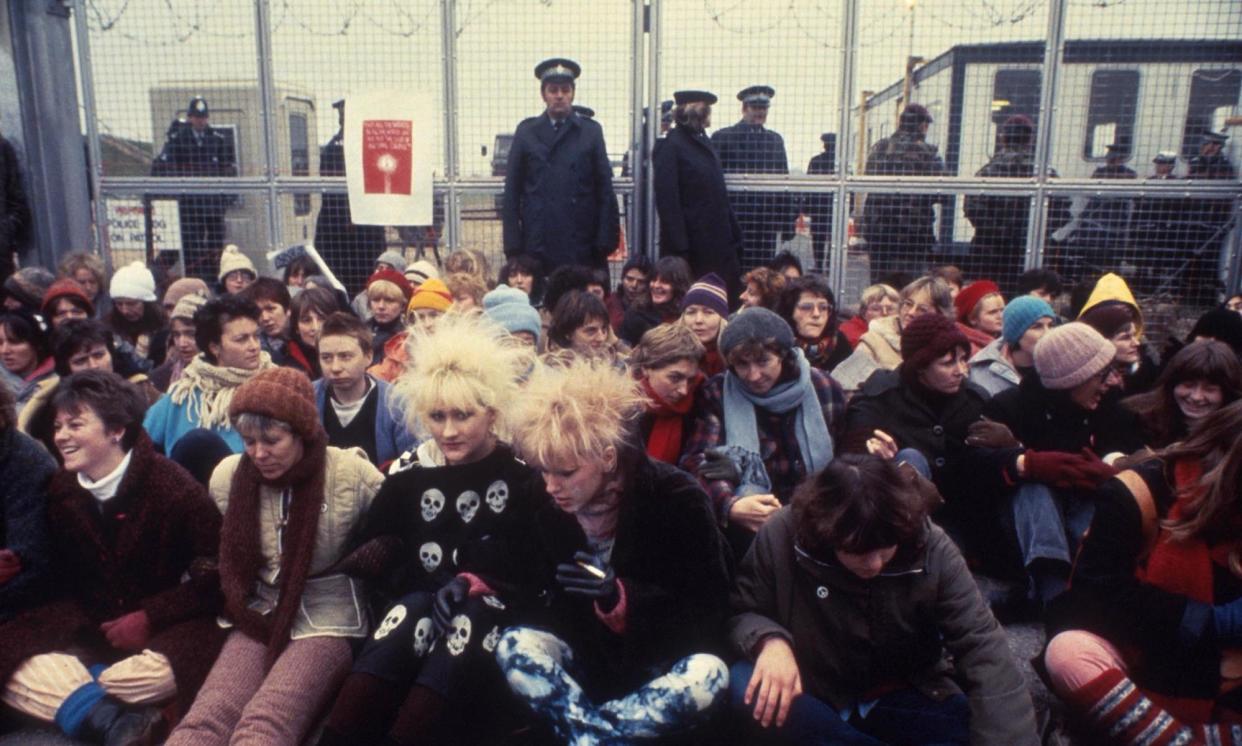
[{"x": 433, "y": 294}]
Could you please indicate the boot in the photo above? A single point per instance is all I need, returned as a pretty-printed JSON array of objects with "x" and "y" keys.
[{"x": 112, "y": 723}]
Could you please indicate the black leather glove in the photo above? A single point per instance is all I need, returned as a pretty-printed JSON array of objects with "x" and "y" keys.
[
  {"x": 717, "y": 466},
  {"x": 447, "y": 599},
  {"x": 597, "y": 583}
]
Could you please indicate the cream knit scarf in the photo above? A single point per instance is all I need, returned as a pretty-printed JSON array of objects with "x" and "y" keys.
[{"x": 214, "y": 385}]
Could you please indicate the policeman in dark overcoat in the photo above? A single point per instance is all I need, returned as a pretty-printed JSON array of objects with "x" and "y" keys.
[
  {"x": 899, "y": 227},
  {"x": 1159, "y": 232},
  {"x": 1209, "y": 218},
  {"x": 696, "y": 219},
  {"x": 1107, "y": 219},
  {"x": 196, "y": 149},
  {"x": 749, "y": 147},
  {"x": 559, "y": 205},
  {"x": 818, "y": 205},
  {"x": 349, "y": 250}
]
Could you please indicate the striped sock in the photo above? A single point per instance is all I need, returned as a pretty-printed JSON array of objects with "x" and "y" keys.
[{"x": 1119, "y": 708}]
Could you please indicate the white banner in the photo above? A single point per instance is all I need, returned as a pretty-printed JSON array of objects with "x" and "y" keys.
[{"x": 388, "y": 158}]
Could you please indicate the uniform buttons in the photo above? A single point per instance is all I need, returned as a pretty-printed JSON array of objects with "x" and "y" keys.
[
  {"x": 822, "y": 592},
  {"x": 937, "y": 430},
  {"x": 939, "y": 462}
]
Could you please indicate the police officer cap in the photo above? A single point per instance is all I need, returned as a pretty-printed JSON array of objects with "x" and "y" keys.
[
  {"x": 756, "y": 95},
  {"x": 828, "y": 138},
  {"x": 1217, "y": 137},
  {"x": 584, "y": 111},
  {"x": 558, "y": 69},
  {"x": 690, "y": 97},
  {"x": 1118, "y": 149},
  {"x": 197, "y": 107},
  {"x": 1165, "y": 156},
  {"x": 666, "y": 106}
]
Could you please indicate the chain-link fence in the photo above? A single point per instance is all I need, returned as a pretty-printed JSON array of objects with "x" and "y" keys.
[{"x": 871, "y": 140}]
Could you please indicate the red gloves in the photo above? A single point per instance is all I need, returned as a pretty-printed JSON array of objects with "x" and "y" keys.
[
  {"x": 129, "y": 632},
  {"x": 10, "y": 565},
  {"x": 1081, "y": 471}
]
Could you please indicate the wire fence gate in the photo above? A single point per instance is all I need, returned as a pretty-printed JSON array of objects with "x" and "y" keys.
[{"x": 1072, "y": 134}]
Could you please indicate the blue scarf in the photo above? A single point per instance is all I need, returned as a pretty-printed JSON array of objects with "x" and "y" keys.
[{"x": 742, "y": 429}]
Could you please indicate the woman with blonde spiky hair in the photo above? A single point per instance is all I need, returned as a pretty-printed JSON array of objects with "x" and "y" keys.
[
  {"x": 446, "y": 537},
  {"x": 631, "y": 583}
]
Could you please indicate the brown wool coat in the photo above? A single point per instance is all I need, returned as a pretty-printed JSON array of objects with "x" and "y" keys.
[{"x": 171, "y": 530}]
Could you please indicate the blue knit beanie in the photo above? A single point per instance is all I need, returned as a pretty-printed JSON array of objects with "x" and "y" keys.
[
  {"x": 1021, "y": 313},
  {"x": 511, "y": 308}
]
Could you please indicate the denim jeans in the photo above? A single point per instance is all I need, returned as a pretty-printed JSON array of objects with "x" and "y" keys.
[
  {"x": 1050, "y": 523},
  {"x": 901, "y": 718}
]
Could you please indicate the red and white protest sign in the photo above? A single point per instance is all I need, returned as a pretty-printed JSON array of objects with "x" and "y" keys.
[{"x": 388, "y": 158}]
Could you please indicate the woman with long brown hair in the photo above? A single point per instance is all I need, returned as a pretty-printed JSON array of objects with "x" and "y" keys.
[
  {"x": 1147, "y": 644},
  {"x": 1200, "y": 379}
]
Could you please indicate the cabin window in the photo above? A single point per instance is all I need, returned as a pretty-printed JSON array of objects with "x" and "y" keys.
[
  {"x": 1213, "y": 97},
  {"x": 299, "y": 160},
  {"x": 1014, "y": 92},
  {"x": 1111, "y": 111}
]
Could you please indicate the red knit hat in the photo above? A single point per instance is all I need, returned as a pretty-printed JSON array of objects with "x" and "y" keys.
[
  {"x": 396, "y": 278},
  {"x": 283, "y": 394},
  {"x": 927, "y": 338},
  {"x": 970, "y": 296},
  {"x": 65, "y": 288}
]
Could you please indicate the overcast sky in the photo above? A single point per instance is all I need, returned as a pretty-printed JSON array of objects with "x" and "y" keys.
[{"x": 331, "y": 48}]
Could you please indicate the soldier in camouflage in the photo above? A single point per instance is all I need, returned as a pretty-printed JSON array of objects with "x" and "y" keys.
[{"x": 899, "y": 227}]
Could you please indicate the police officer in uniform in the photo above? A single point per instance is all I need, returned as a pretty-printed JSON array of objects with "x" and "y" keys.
[
  {"x": 349, "y": 250},
  {"x": 196, "y": 149},
  {"x": 559, "y": 205},
  {"x": 818, "y": 205},
  {"x": 1108, "y": 218},
  {"x": 749, "y": 147},
  {"x": 1209, "y": 218},
  {"x": 696, "y": 218},
  {"x": 899, "y": 227},
  {"x": 1159, "y": 232},
  {"x": 998, "y": 248}
]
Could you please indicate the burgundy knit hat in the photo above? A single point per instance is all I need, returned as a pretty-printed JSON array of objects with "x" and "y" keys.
[
  {"x": 283, "y": 394},
  {"x": 970, "y": 296},
  {"x": 396, "y": 278},
  {"x": 65, "y": 288},
  {"x": 928, "y": 338},
  {"x": 1108, "y": 317}
]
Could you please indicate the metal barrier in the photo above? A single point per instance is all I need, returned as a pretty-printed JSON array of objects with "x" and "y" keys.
[{"x": 1010, "y": 168}]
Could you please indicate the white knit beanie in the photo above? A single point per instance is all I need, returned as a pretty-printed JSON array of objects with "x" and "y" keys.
[
  {"x": 231, "y": 260},
  {"x": 133, "y": 281},
  {"x": 421, "y": 271},
  {"x": 1071, "y": 354}
]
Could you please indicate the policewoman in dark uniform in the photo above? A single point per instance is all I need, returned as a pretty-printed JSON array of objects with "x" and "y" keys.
[
  {"x": 349, "y": 250},
  {"x": 696, "y": 220},
  {"x": 195, "y": 148},
  {"x": 558, "y": 203},
  {"x": 748, "y": 147}
]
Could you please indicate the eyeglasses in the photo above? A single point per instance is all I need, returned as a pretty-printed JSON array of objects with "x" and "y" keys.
[{"x": 813, "y": 307}]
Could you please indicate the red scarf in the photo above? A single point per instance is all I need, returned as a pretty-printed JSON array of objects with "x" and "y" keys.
[
  {"x": 713, "y": 363},
  {"x": 664, "y": 443}
]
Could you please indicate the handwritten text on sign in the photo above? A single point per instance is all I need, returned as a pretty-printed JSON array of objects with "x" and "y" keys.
[{"x": 387, "y": 158}]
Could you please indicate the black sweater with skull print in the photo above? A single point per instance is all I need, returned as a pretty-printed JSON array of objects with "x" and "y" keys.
[{"x": 472, "y": 518}]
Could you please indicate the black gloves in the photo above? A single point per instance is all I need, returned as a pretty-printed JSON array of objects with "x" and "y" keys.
[
  {"x": 447, "y": 598},
  {"x": 718, "y": 466},
  {"x": 596, "y": 583}
]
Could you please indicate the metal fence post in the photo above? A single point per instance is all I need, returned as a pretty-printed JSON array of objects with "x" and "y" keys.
[
  {"x": 651, "y": 229},
  {"x": 267, "y": 94},
  {"x": 448, "y": 41},
  {"x": 839, "y": 245},
  {"x": 86, "y": 79},
  {"x": 638, "y": 215},
  {"x": 1036, "y": 233}
]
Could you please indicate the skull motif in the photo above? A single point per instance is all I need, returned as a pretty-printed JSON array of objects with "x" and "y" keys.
[
  {"x": 430, "y": 554},
  {"x": 458, "y": 634},
  {"x": 396, "y": 615},
  {"x": 422, "y": 636},
  {"x": 493, "y": 637},
  {"x": 497, "y": 495},
  {"x": 468, "y": 504},
  {"x": 432, "y": 503}
]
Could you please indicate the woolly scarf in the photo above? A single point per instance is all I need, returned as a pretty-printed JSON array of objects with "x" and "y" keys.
[
  {"x": 664, "y": 442},
  {"x": 241, "y": 555},
  {"x": 810, "y": 429},
  {"x": 214, "y": 385},
  {"x": 819, "y": 351}
]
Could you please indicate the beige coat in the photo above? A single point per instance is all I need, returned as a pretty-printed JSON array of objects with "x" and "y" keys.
[
  {"x": 334, "y": 605},
  {"x": 878, "y": 349}
]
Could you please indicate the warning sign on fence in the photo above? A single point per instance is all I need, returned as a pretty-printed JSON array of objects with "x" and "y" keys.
[{"x": 126, "y": 220}]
